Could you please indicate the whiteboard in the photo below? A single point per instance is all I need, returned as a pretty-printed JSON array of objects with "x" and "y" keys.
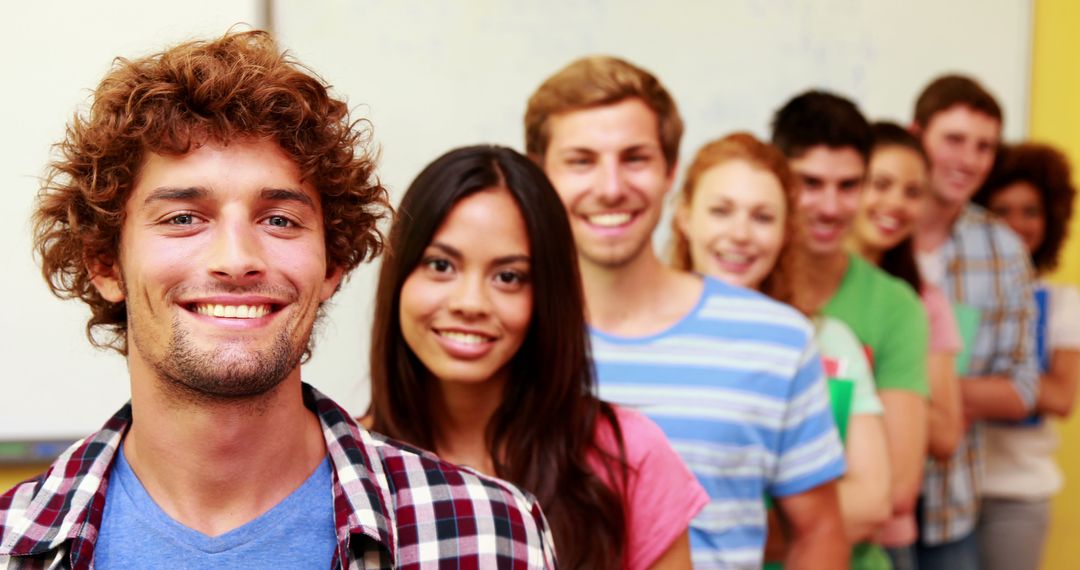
[
  {"x": 57, "y": 385},
  {"x": 433, "y": 75}
]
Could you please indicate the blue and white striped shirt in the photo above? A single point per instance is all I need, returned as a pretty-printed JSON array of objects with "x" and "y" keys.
[{"x": 737, "y": 387}]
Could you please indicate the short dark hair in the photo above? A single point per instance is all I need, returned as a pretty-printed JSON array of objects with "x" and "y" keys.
[
  {"x": 900, "y": 260},
  {"x": 947, "y": 91},
  {"x": 887, "y": 133},
  {"x": 820, "y": 118},
  {"x": 1047, "y": 169}
]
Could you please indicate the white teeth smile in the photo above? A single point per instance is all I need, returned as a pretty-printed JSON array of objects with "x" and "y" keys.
[
  {"x": 609, "y": 220},
  {"x": 731, "y": 257},
  {"x": 958, "y": 177},
  {"x": 887, "y": 222},
  {"x": 233, "y": 311},
  {"x": 463, "y": 337}
]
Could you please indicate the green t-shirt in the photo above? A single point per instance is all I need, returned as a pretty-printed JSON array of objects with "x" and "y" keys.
[{"x": 888, "y": 318}]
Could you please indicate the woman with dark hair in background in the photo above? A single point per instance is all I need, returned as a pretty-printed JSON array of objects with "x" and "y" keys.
[
  {"x": 1031, "y": 189},
  {"x": 480, "y": 353},
  {"x": 890, "y": 208}
]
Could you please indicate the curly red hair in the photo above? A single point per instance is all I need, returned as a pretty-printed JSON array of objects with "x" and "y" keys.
[{"x": 235, "y": 87}]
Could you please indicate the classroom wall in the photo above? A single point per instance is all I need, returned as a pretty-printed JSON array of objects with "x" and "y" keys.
[
  {"x": 431, "y": 76},
  {"x": 1055, "y": 118},
  {"x": 55, "y": 54}
]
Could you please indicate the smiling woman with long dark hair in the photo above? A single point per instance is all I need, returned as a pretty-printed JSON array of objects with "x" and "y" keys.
[{"x": 480, "y": 353}]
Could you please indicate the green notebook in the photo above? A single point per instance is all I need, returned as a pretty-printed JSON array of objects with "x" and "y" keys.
[
  {"x": 967, "y": 321},
  {"x": 841, "y": 392}
]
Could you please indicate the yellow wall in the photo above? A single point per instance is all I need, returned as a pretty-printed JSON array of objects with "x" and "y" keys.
[
  {"x": 1055, "y": 118},
  {"x": 11, "y": 476}
]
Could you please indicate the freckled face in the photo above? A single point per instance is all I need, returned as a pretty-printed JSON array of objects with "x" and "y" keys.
[
  {"x": 735, "y": 223},
  {"x": 222, "y": 269},
  {"x": 465, "y": 309},
  {"x": 609, "y": 169}
]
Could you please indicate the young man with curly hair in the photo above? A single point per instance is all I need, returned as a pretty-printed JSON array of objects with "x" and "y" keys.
[{"x": 213, "y": 197}]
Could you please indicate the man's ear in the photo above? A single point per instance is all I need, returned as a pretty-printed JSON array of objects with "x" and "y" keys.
[
  {"x": 331, "y": 283},
  {"x": 915, "y": 129},
  {"x": 105, "y": 275},
  {"x": 672, "y": 173},
  {"x": 682, "y": 216}
]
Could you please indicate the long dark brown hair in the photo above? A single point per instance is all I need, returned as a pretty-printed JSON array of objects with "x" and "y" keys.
[
  {"x": 542, "y": 432},
  {"x": 899, "y": 261}
]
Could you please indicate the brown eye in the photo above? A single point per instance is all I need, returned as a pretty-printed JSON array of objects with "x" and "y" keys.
[
  {"x": 511, "y": 279},
  {"x": 437, "y": 264}
]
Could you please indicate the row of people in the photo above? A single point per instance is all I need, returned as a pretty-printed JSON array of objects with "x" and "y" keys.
[
  {"x": 526, "y": 328},
  {"x": 793, "y": 222}
]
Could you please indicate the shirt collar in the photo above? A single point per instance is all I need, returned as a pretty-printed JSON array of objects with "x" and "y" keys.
[
  {"x": 361, "y": 488},
  {"x": 77, "y": 481},
  {"x": 69, "y": 497},
  {"x": 972, "y": 214}
]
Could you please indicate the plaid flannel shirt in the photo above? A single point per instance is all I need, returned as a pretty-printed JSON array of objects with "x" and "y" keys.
[
  {"x": 987, "y": 268},
  {"x": 394, "y": 506}
]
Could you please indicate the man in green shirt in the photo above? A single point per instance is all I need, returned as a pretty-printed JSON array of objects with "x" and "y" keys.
[{"x": 827, "y": 142}]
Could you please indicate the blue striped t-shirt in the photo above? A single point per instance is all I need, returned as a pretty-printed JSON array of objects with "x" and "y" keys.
[{"x": 737, "y": 386}]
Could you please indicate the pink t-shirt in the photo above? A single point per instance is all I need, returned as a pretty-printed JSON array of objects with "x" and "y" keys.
[
  {"x": 944, "y": 334},
  {"x": 662, "y": 495}
]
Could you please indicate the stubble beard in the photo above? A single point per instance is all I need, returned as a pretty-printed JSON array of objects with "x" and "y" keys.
[
  {"x": 612, "y": 258},
  {"x": 229, "y": 373}
]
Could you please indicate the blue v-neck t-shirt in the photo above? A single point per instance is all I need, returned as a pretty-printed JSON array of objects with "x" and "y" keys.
[{"x": 135, "y": 532}]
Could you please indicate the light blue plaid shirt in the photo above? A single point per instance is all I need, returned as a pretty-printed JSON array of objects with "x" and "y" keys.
[{"x": 987, "y": 268}]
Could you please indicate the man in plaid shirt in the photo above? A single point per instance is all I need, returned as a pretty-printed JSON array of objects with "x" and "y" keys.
[
  {"x": 980, "y": 263},
  {"x": 207, "y": 205}
]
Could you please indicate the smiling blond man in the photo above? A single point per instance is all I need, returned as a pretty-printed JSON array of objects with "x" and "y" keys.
[
  {"x": 207, "y": 205},
  {"x": 730, "y": 376}
]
